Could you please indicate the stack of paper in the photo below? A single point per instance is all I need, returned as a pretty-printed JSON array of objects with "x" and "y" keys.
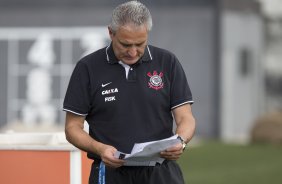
[{"x": 147, "y": 153}]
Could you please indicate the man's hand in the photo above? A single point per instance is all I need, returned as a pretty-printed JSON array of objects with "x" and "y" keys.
[
  {"x": 172, "y": 153},
  {"x": 107, "y": 155}
]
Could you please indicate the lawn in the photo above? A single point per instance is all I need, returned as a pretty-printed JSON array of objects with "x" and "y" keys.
[{"x": 218, "y": 163}]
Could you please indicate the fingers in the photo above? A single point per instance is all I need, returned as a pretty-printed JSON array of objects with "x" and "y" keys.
[
  {"x": 113, "y": 162},
  {"x": 107, "y": 156},
  {"x": 172, "y": 153},
  {"x": 176, "y": 148}
]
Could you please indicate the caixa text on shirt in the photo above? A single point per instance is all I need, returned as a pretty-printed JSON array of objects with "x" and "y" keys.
[{"x": 110, "y": 91}]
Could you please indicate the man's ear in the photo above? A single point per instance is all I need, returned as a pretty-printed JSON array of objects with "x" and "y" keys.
[{"x": 111, "y": 34}]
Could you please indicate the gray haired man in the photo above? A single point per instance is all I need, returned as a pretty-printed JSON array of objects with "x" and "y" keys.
[{"x": 129, "y": 92}]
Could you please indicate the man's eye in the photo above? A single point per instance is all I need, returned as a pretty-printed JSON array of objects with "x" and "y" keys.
[{"x": 126, "y": 45}]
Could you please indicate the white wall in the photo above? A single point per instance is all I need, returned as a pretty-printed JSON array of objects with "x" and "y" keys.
[{"x": 241, "y": 95}]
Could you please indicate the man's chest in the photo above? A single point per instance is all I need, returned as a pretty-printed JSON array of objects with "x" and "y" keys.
[{"x": 123, "y": 87}]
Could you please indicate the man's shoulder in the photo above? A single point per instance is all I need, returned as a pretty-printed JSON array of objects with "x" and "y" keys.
[
  {"x": 98, "y": 54},
  {"x": 94, "y": 57},
  {"x": 158, "y": 52}
]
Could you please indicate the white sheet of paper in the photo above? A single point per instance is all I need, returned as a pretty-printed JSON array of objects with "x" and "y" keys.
[{"x": 147, "y": 153}]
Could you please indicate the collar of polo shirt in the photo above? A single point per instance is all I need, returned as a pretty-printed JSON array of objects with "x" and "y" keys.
[{"x": 112, "y": 59}]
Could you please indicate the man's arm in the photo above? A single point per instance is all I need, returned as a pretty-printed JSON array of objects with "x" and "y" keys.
[
  {"x": 185, "y": 122},
  {"x": 185, "y": 128},
  {"x": 79, "y": 138}
]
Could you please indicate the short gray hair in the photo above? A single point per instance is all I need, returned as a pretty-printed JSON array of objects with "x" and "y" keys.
[{"x": 132, "y": 12}]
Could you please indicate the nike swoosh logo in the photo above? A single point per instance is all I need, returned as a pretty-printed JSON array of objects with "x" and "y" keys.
[{"x": 104, "y": 85}]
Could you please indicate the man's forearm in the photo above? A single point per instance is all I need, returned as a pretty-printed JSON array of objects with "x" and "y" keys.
[
  {"x": 186, "y": 130},
  {"x": 81, "y": 139},
  {"x": 185, "y": 122},
  {"x": 77, "y": 136}
]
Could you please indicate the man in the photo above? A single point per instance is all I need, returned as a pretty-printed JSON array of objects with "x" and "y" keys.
[{"x": 128, "y": 92}]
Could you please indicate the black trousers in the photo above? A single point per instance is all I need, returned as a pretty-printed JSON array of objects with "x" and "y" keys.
[{"x": 166, "y": 173}]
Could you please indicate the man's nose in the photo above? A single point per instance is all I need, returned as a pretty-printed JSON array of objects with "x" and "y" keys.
[{"x": 132, "y": 51}]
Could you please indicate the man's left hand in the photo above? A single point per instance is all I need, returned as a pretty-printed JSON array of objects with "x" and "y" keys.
[{"x": 172, "y": 153}]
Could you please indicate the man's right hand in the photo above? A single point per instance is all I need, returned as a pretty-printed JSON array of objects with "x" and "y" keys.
[{"x": 107, "y": 155}]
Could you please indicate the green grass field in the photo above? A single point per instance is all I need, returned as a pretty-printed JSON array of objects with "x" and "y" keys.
[{"x": 218, "y": 163}]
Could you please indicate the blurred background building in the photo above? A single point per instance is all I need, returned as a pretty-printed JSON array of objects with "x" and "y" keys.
[
  {"x": 228, "y": 50},
  {"x": 272, "y": 10}
]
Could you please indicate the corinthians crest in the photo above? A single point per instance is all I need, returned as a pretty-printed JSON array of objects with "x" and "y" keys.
[{"x": 155, "y": 81}]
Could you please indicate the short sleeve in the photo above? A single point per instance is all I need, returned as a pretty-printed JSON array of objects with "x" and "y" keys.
[
  {"x": 180, "y": 90},
  {"x": 77, "y": 98}
]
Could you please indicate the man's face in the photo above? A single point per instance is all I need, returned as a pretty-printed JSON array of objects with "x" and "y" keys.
[{"x": 129, "y": 43}]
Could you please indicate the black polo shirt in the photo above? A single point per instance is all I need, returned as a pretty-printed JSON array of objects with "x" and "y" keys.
[{"x": 125, "y": 104}]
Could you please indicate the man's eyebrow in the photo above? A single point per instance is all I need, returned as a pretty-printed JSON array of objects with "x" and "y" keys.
[
  {"x": 140, "y": 43},
  {"x": 130, "y": 44}
]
